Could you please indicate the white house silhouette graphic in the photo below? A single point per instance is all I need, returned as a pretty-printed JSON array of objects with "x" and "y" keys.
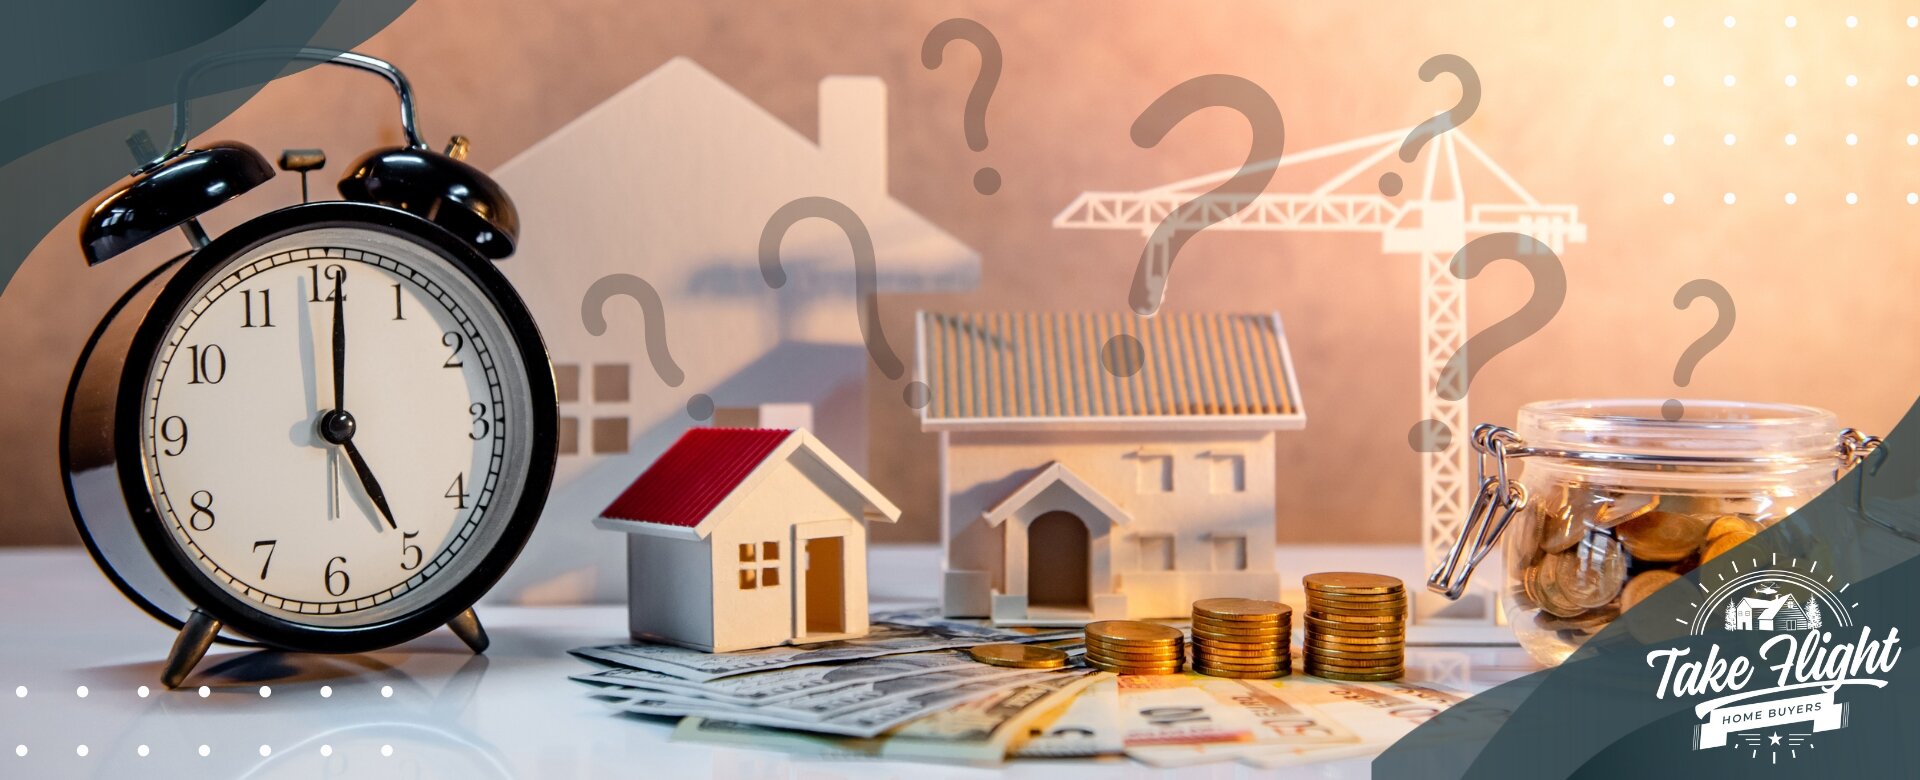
[{"x": 1769, "y": 611}]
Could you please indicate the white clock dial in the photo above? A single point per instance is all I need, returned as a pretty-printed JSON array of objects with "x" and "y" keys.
[{"x": 263, "y": 498}]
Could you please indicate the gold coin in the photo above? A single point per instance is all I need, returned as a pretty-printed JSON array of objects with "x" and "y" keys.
[
  {"x": 1376, "y": 618},
  {"x": 1200, "y": 632},
  {"x": 1240, "y": 609},
  {"x": 1112, "y": 660},
  {"x": 1350, "y": 677},
  {"x": 1273, "y": 649},
  {"x": 1352, "y": 582},
  {"x": 1137, "y": 655},
  {"x": 1216, "y": 627},
  {"x": 1662, "y": 536},
  {"x": 1018, "y": 656},
  {"x": 1583, "y": 578},
  {"x": 1266, "y": 624},
  {"x": 1389, "y": 626},
  {"x": 1243, "y": 675},
  {"x": 1643, "y": 585},
  {"x": 1625, "y": 506},
  {"x": 1356, "y": 664},
  {"x": 1358, "y": 655},
  {"x": 1342, "y": 640},
  {"x": 1357, "y": 599},
  {"x": 1118, "y": 669},
  {"x": 1131, "y": 632},
  {"x": 1395, "y": 647},
  {"x": 1722, "y": 543},
  {"x": 1342, "y": 605},
  {"x": 1726, "y": 524}
]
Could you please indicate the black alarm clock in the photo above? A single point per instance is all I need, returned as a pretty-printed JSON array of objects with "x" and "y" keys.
[{"x": 330, "y": 429}]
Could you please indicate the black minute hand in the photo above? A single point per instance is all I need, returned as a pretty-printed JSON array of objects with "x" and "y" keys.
[
  {"x": 367, "y": 481},
  {"x": 340, "y": 344}
]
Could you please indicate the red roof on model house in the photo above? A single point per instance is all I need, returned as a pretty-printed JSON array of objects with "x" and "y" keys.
[{"x": 693, "y": 479}]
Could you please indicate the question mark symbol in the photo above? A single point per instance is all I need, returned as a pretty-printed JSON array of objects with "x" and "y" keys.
[
  {"x": 593, "y": 316},
  {"x": 1390, "y": 183},
  {"x": 864, "y": 277},
  {"x": 1123, "y": 355},
  {"x": 986, "y": 181},
  {"x": 1714, "y": 337},
  {"x": 1549, "y": 291}
]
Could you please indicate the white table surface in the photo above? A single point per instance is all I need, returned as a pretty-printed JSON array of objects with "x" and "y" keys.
[{"x": 451, "y": 714}]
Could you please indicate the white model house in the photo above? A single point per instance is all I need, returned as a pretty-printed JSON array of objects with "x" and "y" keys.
[
  {"x": 740, "y": 538},
  {"x": 672, "y": 179},
  {"x": 1072, "y": 494}
]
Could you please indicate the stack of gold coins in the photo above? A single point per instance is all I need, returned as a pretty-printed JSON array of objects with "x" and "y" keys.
[
  {"x": 1133, "y": 647},
  {"x": 1356, "y": 626},
  {"x": 1242, "y": 638}
]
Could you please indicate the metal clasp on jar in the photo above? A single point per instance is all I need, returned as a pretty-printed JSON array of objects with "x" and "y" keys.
[
  {"x": 1500, "y": 498},
  {"x": 1494, "y": 506}
]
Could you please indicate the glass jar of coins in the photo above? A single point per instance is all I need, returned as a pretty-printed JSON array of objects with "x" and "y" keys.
[{"x": 1604, "y": 502}]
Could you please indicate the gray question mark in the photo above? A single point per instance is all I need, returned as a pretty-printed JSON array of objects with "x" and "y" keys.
[
  {"x": 1123, "y": 355},
  {"x": 864, "y": 277},
  {"x": 986, "y": 181},
  {"x": 1714, "y": 337},
  {"x": 1549, "y": 291},
  {"x": 654, "y": 318},
  {"x": 1390, "y": 183}
]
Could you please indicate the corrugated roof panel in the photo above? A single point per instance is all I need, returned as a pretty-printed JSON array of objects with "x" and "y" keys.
[
  {"x": 1047, "y": 365},
  {"x": 694, "y": 475}
]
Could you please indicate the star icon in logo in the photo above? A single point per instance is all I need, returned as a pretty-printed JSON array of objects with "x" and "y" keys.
[{"x": 1773, "y": 739}]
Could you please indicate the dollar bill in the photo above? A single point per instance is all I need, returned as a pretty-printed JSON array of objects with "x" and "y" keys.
[
  {"x": 1087, "y": 726},
  {"x": 979, "y": 730},
  {"x": 1374, "y": 715},
  {"x": 863, "y": 722},
  {"x": 890, "y": 634},
  {"x": 774, "y": 685}
]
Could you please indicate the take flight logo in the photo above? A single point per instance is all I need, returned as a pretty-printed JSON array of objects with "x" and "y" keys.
[{"x": 1771, "y": 705}]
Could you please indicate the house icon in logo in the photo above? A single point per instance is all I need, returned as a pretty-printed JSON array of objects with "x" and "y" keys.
[{"x": 1769, "y": 609}]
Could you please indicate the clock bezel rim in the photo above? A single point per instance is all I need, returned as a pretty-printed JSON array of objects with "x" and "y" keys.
[{"x": 246, "y": 618}]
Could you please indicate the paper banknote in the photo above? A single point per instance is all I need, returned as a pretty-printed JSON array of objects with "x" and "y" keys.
[
  {"x": 884, "y": 638},
  {"x": 756, "y": 688},
  {"x": 1333, "y": 720},
  {"x": 863, "y": 722},
  {"x": 979, "y": 730}
]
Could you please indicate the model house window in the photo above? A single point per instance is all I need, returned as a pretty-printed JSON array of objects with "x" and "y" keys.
[
  {"x": 1229, "y": 472},
  {"x": 607, "y": 385},
  {"x": 1156, "y": 472},
  {"x": 752, "y": 573},
  {"x": 1229, "y": 553},
  {"x": 1156, "y": 552}
]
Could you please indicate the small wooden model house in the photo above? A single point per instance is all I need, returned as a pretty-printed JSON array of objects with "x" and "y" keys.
[
  {"x": 1071, "y": 494},
  {"x": 742, "y": 538}
]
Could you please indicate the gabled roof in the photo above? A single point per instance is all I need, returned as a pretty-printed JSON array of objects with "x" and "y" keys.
[
  {"x": 703, "y": 473},
  {"x": 1201, "y": 371},
  {"x": 1055, "y": 474}
]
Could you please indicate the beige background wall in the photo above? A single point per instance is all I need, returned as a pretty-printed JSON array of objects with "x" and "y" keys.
[{"x": 1574, "y": 108}]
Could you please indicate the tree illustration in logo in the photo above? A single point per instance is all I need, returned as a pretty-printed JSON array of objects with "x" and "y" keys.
[
  {"x": 1733, "y": 616},
  {"x": 1814, "y": 618}
]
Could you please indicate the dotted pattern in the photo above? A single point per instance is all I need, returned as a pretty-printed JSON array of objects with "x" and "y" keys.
[
  {"x": 203, "y": 750},
  {"x": 1730, "y": 80}
]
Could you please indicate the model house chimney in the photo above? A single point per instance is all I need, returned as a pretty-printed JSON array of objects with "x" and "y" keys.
[{"x": 853, "y": 131}]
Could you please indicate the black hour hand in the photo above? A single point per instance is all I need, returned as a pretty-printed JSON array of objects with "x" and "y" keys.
[{"x": 367, "y": 481}]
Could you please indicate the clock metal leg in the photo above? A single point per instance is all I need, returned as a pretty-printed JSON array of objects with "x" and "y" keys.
[
  {"x": 466, "y": 625},
  {"x": 195, "y": 637}
]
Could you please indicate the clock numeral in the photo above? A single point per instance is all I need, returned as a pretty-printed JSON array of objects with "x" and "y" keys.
[
  {"x": 269, "y": 544},
  {"x": 458, "y": 491},
  {"x": 266, "y": 308},
  {"x": 209, "y": 364},
  {"x": 455, "y": 342},
  {"x": 174, "y": 431},
  {"x": 481, "y": 425},
  {"x": 396, "y": 303},
  {"x": 202, "y": 503},
  {"x": 335, "y": 273},
  {"x": 341, "y": 573},
  {"x": 405, "y": 548}
]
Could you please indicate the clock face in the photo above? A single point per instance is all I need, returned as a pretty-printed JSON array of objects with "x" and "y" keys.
[{"x": 335, "y": 427}]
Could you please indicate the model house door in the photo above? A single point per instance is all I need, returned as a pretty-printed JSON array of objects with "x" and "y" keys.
[{"x": 820, "y": 592}]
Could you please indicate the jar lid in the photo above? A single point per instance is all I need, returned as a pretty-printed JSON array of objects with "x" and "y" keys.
[{"x": 1709, "y": 432}]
